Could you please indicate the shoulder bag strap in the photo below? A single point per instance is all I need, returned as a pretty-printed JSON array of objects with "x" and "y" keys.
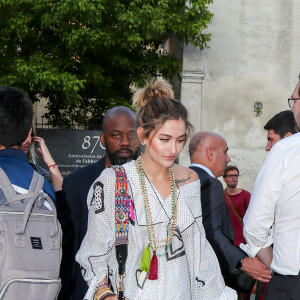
[
  {"x": 233, "y": 207},
  {"x": 122, "y": 218}
]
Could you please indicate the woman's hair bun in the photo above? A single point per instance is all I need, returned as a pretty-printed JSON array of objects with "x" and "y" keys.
[{"x": 157, "y": 90}]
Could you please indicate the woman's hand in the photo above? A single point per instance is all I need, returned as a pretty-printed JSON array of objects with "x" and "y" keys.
[
  {"x": 56, "y": 178},
  {"x": 43, "y": 151}
]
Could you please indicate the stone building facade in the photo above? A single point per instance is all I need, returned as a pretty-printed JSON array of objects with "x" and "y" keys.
[{"x": 253, "y": 61}]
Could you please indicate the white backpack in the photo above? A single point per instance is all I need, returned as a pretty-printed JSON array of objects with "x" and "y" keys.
[{"x": 30, "y": 243}]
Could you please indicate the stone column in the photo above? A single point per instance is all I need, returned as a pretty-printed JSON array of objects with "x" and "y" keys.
[{"x": 191, "y": 97}]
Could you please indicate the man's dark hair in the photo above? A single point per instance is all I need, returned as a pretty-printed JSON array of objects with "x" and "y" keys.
[
  {"x": 16, "y": 115},
  {"x": 231, "y": 168},
  {"x": 282, "y": 123}
]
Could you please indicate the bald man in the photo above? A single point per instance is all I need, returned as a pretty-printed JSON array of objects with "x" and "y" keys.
[
  {"x": 118, "y": 136},
  {"x": 209, "y": 158}
]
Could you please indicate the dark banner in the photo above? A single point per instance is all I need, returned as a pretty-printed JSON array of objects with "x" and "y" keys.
[{"x": 72, "y": 149}]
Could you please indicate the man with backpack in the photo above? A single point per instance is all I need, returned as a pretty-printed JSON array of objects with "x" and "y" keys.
[
  {"x": 30, "y": 235},
  {"x": 16, "y": 115}
]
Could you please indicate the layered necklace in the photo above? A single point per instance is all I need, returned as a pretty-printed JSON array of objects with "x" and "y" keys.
[{"x": 153, "y": 242}]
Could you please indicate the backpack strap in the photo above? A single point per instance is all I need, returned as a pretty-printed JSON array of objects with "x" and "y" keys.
[
  {"x": 11, "y": 195},
  {"x": 122, "y": 216},
  {"x": 37, "y": 182},
  {"x": 35, "y": 193},
  {"x": 33, "y": 199},
  {"x": 6, "y": 185}
]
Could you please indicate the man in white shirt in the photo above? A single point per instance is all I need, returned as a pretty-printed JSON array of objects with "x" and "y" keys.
[
  {"x": 295, "y": 104},
  {"x": 273, "y": 215}
]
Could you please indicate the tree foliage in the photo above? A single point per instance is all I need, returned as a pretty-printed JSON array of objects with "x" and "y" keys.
[{"x": 83, "y": 55}]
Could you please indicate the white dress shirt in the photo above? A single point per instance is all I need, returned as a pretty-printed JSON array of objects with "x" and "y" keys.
[{"x": 276, "y": 199}]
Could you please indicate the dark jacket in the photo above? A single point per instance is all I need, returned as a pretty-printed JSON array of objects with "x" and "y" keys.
[
  {"x": 75, "y": 190},
  {"x": 218, "y": 225}
]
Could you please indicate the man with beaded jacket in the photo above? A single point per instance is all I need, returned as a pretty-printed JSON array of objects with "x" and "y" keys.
[{"x": 118, "y": 136}]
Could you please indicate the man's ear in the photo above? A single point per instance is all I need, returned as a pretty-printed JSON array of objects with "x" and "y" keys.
[
  {"x": 210, "y": 152},
  {"x": 28, "y": 136},
  {"x": 102, "y": 140},
  {"x": 288, "y": 134}
]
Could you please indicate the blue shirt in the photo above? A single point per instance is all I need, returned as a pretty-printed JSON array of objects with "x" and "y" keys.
[{"x": 14, "y": 163}]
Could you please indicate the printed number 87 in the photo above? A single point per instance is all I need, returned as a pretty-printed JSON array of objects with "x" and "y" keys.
[{"x": 87, "y": 143}]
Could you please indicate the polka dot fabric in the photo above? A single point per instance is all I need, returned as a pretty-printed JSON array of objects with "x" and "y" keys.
[{"x": 189, "y": 270}]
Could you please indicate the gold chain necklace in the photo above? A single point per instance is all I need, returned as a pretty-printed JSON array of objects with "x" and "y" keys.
[{"x": 151, "y": 234}]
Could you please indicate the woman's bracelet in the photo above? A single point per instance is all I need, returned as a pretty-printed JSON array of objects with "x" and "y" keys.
[
  {"x": 106, "y": 296},
  {"x": 101, "y": 284},
  {"x": 103, "y": 293},
  {"x": 52, "y": 166}
]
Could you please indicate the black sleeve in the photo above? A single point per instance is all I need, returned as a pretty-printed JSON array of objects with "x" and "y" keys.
[
  {"x": 217, "y": 228},
  {"x": 67, "y": 267}
]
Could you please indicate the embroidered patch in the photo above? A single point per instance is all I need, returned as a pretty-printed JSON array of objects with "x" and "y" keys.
[
  {"x": 177, "y": 247},
  {"x": 98, "y": 197},
  {"x": 200, "y": 283},
  {"x": 131, "y": 211}
]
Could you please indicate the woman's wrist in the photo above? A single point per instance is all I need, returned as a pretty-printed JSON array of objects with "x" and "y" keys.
[
  {"x": 103, "y": 291},
  {"x": 107, "y": 296},
  {"x": 103, "y": 285}
]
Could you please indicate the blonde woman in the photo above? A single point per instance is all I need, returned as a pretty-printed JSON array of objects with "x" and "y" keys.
[{"x": 168, "y": 256}]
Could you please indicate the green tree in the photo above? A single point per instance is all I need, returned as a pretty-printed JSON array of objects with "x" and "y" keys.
[{"x": 83, "y": 55}]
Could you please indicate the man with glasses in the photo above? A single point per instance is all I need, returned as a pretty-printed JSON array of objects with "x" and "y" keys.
[
  {"x": 273, "y": 215},
  {"x": 237, "y": 201},
  {"x": 294, "y": 103},
  {"x": 209, "y": 158},
  {"x": 280, "y": 126}
]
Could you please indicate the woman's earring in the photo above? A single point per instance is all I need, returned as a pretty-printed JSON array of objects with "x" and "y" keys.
[{"x": 143, "y": 143}]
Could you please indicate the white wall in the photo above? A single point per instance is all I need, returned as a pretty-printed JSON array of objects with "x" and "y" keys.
[{"x": 254, "y": 56}]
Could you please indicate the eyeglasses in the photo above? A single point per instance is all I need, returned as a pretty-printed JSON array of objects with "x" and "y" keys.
[
  {"x": 233, "y": 175},
  {"x": 291, "y": 101}
]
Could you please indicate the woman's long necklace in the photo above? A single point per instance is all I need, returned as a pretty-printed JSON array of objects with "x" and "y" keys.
[{"x": 154, "y": 243}]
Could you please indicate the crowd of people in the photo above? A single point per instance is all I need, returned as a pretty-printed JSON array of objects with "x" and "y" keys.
[{"x": 137, "y": 225}]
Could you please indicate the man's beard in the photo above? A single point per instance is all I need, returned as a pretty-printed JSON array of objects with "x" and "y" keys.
[
  {"x": 232, "y": 185},
  {"x": 117, "y": 160}
]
